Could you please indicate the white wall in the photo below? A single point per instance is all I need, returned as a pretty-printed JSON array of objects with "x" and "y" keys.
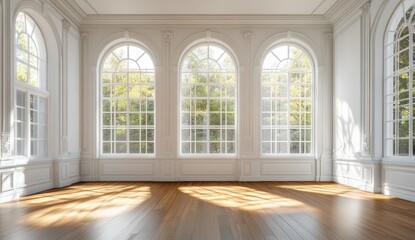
[
  {"x": 74, "y": 95},
  {"x": 167, "y": 42},
  {"x": 347, "y": 91},
  {"x": 21, "y": 176},
  {"x": 354, "y": 161}
]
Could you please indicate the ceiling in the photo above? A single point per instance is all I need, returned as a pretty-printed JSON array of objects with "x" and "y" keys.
[{"x": 209, "y": 7}]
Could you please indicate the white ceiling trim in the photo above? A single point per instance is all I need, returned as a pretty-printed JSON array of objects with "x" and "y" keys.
[
  {"x": 324, "y": 7},
  {"x": 86, "y": 6},
  {"x": 206, "y": 20},
  {"x": 169, "y": 7}
]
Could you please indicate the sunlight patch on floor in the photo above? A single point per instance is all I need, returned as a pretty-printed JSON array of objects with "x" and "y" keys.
[
  {"x": 240, "y": 197},
  {"x": 335, "y": 190},
  {"x": 72, "y": 207}
]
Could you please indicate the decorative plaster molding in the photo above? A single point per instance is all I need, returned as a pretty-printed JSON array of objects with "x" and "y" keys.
[
  {"x": 167, "y": 36},
  {"x": 366, "y": 6},
  {"x": 248, "y": 36},
  {"x": 84, "y": 37},
  {"x": 343, "y": 9},
  {"x": 44, "y": 7},
  {"x": 366, "y": 143},
  {"x": 5, "y": 146}
]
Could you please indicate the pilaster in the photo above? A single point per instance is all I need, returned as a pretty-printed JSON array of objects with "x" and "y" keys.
[
  {"x": 325, "y": 171},
  {"x": 366, "y": 94},
  {"x": 66, "y": 25},
  {"x": 166, "y": 98},
  {"x": 245, "y": 86}
]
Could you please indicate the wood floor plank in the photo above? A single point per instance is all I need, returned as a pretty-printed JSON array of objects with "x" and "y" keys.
[{"x": 207, "y": 210}]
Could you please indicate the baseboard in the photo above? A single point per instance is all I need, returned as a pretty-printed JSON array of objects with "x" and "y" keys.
[
  {"x": 207, "y": 178},
  {"x": 68, "y": 182},
  {"x": 86, "y": 179},
  {"x": 126, "y": 179}
]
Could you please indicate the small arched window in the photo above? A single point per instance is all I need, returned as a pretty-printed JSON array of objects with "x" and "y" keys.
[
  {"x": 399, "y": 83},
  {"x": 31, "y": 89},
  {"x": 127, "y": 102},
  {"x": 287, "y": 102},
  {"x": 208, "y": 101}
]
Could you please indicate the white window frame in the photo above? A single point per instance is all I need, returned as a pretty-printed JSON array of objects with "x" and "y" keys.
[
  {"x": 390, "y": 74},
  {"x": 236, "y": 105},
  {"x": 288, "y": 155},
  {"x": 28, "y": 90},
  {"x": 100, "y": 105}
]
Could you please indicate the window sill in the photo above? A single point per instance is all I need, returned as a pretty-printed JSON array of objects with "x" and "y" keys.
[
  {"x": 399, "y": 160},
  {"x": 208, "y": 157},
  {"x": 127, "y": 157},
  {"x": 22, "y": 161},
  {"x": 288, "y": 157}
]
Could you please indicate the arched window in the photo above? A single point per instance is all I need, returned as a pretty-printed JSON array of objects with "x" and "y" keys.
[
  {"x": 399, "y": 84},
  {"x": 208, "y": 101},
  {"x": 31, "y": 89},
  {"x": 127, "y": 102},
  {"x": 287, "y": 102}
]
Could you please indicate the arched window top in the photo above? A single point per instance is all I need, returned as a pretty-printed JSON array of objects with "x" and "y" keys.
[
  {"x": 208, "y": 57},
  {"x": 128, "y": 57},
  {"x": 287, "y": 58},
  {"x": 30, "y": 52},
  {"x": 403, "y": 20}
]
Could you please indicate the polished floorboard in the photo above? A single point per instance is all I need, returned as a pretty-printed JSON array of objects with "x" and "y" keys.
[{"x": 207, "y": 210}]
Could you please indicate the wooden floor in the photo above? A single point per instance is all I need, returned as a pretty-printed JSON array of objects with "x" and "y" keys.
[{"x": 207, "y": 211}]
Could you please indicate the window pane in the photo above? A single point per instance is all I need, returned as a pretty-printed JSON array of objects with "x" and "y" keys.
[
  {"x": 128, "y": 96},
  {"x": 287, "y": 102},
  {"x": 208, "y": 101},
  {"x": 399, "y": 85},
  {"x": 29, "y": 52}
]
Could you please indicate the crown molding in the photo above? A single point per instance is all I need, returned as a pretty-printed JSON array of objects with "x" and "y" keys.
[
  {"x": 75, "y": 13},
  {"x": 340, "y": 11},
  {"x": 72, "y": 11},
  {"x": 165, "y": 19}
]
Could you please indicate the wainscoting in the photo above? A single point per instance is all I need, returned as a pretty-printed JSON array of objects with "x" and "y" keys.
[
  {"x": 399, "y": 179},
  {"x": 198, "y": 170},
  {"x": 25, "y": 178},
  {"x": 19, "y": 178},
  {"x": 361, "y": 174}
]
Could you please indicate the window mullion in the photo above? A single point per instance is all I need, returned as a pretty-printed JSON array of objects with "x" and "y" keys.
[
  {"x": 410, "y": 88},
  {"x": 28, "y": 135},
  {"x": 288, "y": 112}
]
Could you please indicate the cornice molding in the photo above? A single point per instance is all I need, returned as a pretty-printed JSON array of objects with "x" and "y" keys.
[
  {"x": 72, "y": 11},
  {"x": 343, "y": 9},
  {"x": 205, "y": 19},
  {"x": 80, "y": 18}
]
